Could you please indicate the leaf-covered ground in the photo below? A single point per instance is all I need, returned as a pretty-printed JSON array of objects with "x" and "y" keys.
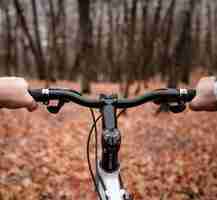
[{"x": 164, "y": 157}]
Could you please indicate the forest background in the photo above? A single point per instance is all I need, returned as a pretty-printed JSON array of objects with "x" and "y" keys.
[
  {"x": 101, "y": 40},
  {"x": 96, "y": 46}
]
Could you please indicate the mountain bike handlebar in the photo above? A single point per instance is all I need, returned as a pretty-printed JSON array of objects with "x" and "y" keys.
[
  {"x": 107, "y": 180},
  {"x": 159, "y": 96}
]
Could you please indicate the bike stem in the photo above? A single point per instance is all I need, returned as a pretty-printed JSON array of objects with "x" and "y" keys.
[
  {"x": 111, "y": 137},
  {"x": 110, "y": 184}
]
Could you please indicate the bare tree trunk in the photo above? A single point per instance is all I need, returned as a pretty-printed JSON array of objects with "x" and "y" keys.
[
  {"x": 9, "y": 42},
  {"x": 183, "y": 50},
  {"x": 215, "y": 34},
  {"x": 167, "y": 27},
  {"x": 153, "y": 37},
  {"x": 130, "y": 49},
  {"x": 209, "y": 41},
  {"x": 167, "y": 65},
  {"x": 142, "y": 69},
  {"x": 173, "y": 79},
  {"x": 62, "y": 53},
  {"x": 99, "y": 42},
  {"x": 118, "y": 44},
  {"x": 110, "y": 42},
  {"x": 52, "y": 42},
  {"x": 40, "y": 54},
  {"x": 84, "y": 56},
  {"x": 197, "y": 38},
  {"x": 26, "y": 56},
  {"x": 56, "y": 39},
  {"x": 15, "y": 52},
  {"x": 34, "y": 48}
]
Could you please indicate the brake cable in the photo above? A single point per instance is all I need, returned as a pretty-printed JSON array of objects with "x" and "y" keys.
[{"x": 88, "y": 153}]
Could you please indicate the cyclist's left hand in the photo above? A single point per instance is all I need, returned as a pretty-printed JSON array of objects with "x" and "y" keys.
[{"x": 14, "y": 94}]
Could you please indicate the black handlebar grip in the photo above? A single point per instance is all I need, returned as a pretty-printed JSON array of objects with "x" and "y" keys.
[
  {"x": 38, "y": 95},
  {"x": 191, "y": 95}
]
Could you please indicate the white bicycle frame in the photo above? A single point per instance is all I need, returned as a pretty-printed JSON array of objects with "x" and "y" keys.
[{"x": 112, "y": 185}]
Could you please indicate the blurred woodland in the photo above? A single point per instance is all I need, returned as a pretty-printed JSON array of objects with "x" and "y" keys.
[
  {"x": 74, "y": 42},
  {"x": 107, "y": 40}
]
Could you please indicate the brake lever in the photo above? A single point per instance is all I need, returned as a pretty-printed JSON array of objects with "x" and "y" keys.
[
  {"x": 61, "y": 103},
  {"x": 56, "y": 109},
  {"x": 177, "y": 107}
]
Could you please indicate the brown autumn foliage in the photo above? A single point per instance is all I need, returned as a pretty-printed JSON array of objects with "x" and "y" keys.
[{"x": 164, "y": 157}]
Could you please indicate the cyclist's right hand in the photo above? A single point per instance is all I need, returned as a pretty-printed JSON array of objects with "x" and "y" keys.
[{"x": 206, "y": 98}]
